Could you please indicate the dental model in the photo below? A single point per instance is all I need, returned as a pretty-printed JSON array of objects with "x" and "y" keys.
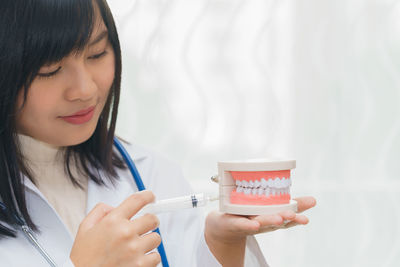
[{"x": 255, "y": 187}]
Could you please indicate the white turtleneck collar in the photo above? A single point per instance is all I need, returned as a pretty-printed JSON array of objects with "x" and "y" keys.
[
  {"x": 46, "y": 164},
  {"x": 39, "y": 152}
]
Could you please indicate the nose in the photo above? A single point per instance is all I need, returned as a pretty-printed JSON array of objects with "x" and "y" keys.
[{"x": 81, "y": 85}]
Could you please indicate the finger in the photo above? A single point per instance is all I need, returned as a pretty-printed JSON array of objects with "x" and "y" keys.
[
  {"x": 269, "y": 228},
  {"x": 95, "y": 215},
  {"x": 131, "y": 205},
  {"x": 152, "y": 259},
  {"x": 268, "y": 220},
  {"x": 305, "y": 203},
  {"x": 145, "y": 223},
  {"x": 298, "y": 220},
  {"x": 291, "y": 224},
  {"x": 287, "y": 215},
  {"x": 241, "y": 224},
  {"x": 150, "y": 241},
  {"x": 301, "y": 219}
]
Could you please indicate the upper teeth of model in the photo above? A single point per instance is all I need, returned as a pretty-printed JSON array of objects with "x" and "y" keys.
[{"x": 276, "y": 183}]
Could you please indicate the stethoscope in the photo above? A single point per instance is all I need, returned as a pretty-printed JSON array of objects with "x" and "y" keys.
[
  {"x": 139, "y": 183},
  {"x": 140, "y": 186}
]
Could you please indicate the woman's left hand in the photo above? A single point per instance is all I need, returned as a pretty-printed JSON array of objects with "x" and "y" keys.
[{"x": 226, "y": 234}]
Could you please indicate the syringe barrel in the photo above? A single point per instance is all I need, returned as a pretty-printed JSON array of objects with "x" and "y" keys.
[{"x": 173, "y": 204}]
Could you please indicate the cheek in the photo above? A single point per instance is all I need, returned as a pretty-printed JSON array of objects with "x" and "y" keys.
[
  {"x": 38, "y": 109},
  {"x": 106, "y": 76}
]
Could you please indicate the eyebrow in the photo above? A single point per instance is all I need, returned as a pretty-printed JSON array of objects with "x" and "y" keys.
[{"x": 99, "y": 37}]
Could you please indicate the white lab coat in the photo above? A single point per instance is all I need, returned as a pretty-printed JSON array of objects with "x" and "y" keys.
[{"x": 182, "y": 231}]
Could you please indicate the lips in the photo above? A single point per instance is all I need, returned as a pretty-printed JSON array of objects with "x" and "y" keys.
[{"x": 81, "y": 116}]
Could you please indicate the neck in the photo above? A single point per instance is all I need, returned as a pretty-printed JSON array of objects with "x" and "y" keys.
[{"x": 38, "y": 151}]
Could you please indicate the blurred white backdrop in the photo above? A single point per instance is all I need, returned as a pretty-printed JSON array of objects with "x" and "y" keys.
[{"x": 314, "y": 80}]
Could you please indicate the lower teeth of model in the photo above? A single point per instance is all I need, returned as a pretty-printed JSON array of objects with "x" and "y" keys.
[{"x": 261, "y": 191}]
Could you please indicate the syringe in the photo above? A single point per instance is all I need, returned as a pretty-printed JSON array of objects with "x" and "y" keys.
[{"x": 178, "y": 203}]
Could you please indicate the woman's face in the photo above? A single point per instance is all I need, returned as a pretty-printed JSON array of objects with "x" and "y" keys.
[{"x": 64, "y": 102}]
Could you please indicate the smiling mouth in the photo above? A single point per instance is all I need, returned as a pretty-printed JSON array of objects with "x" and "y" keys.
[{"x": 81, "y": 116}]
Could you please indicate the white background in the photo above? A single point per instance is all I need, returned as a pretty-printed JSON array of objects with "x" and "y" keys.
[{"x": 314, "y": 80}]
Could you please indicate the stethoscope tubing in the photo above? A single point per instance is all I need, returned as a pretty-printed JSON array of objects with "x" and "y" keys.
[{"x": 141, "y": 187}]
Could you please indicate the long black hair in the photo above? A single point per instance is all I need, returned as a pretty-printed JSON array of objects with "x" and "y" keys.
[{"x": 34, "y": 33}]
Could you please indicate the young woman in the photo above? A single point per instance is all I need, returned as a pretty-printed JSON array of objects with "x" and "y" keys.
[{"x": 67, "y": 197}]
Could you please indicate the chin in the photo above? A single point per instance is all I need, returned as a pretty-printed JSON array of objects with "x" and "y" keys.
[
  {"x": 74, "y": 137},
  {"x": 77, "y": 141},
  {"x": 81, "y": 138}
]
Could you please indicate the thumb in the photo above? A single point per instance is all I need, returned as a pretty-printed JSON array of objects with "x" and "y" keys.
[
  {"x": 305, "y": 203},
  {"x": 94, "y": 216}
]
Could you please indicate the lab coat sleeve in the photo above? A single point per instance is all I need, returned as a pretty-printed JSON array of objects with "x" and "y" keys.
[
  {"x": 204, "y": 255},
  {"x": 253, "y": 254}
]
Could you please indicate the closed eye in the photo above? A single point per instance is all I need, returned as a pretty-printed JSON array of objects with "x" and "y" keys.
[
  {"x": 49, "y": 74},
  {"x": 98, "y": 55}
]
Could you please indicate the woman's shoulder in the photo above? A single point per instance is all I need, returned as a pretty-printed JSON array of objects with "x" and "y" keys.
[
  {"x": 140, "y": 153},
  {"x": 157, "y": 170}
]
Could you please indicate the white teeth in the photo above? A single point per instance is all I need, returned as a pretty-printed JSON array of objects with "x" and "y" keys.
[
  {"x": 251, "y": 184},
  {"x": 267, "y": 191},
  {"x": 281, "y": 185},
  {"x": 271, "y": 187},
  {"x": 260, "y": 191},
  {"x": 277, "y": 182},
  {"x": 281, "y": 182},
  {"x": 264, "y": 183}
]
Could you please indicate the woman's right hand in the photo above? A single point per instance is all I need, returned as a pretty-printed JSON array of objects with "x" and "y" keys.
[{"x": 107, "y": 236}]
